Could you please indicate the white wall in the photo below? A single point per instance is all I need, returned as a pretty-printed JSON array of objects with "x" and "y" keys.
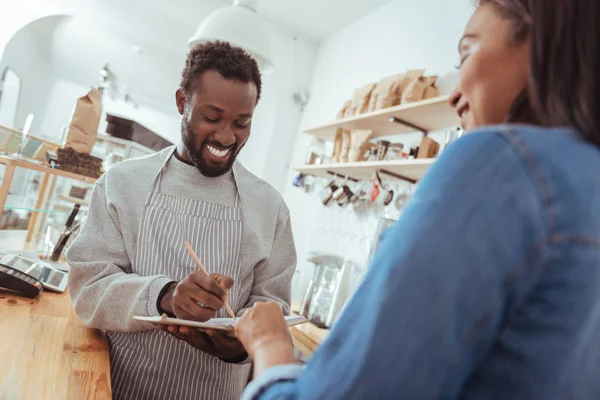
[
  {"x": 15, "y": 15},
  {"x": 405, "y": 34},
  {"x": 276, "y": 121},
  {"x": 31, "y": 63},
  {"x": 63, "y": 97},
  {"x": 274, "y": 128},
  {"x": 163, "y": 121},
  {"x": 276, "y": 118},
  {"x": 10, "y": 89},
  {"x": 59, "y": 105}
]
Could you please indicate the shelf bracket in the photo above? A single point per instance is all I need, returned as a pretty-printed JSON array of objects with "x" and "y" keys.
[
  {"x": 399, "y": 121},
  {"x": 342, "y": 176},
  {"x": 379, "y": 171},
  {"x": 397, "y": 176}
]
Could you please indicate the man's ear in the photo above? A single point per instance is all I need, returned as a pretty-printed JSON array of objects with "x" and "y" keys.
[{"x": 180, "y": 100}]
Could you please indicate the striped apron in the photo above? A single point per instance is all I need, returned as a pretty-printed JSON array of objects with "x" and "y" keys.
[{"x": 153, "y": 364}]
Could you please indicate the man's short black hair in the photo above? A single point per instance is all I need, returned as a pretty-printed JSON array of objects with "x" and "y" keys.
[{"x": 230, "y": 61}]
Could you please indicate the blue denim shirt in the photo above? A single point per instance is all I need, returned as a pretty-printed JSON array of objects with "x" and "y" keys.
[{"x": 488, "y": 287}]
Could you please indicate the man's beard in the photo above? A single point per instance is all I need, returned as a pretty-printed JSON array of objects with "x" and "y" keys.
[{"x": 195, "y": 154}]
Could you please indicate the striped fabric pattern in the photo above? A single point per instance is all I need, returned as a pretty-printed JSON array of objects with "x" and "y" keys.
[{"x": 154, "y": 364}]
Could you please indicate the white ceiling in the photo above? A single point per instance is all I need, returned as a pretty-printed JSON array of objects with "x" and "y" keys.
[
  {"x": 316, "y": 19},
  {"x": 78, "y": 49},
  {"x": 163, "y": 22},
  {"x": 108, "y": 30}
]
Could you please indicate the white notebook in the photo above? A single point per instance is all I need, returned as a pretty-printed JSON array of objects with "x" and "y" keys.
[{"x": 218, "y": 324}]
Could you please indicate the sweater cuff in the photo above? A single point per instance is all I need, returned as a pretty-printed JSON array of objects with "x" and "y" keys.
[
  {"x": 160, "y": 297},
  {"x": 154, "y": 292}
]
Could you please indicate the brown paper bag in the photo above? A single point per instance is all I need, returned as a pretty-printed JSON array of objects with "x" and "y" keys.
[
  {"x": 415, "y": 91},
  {"x": 368, "y": 148},
  {"x": 83, "y": 127},
  {"x": 385, "y": 93},
  {"x": 360, "y": 100},
  {"x": 337, "y": 146},
  {"x": 345, "y": 110},
  {"x": 359, "y": 144},
  {"x": 345, "y": 146},
  {"x": 429, "y": 148},
  {"x": 410, "y": 77},
  {"x": 431, "y": 91}
]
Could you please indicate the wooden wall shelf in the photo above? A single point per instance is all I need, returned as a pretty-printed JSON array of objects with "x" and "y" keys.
[
  {"x": 427, "y": 115},
  {"x": 413, "y": 170}
]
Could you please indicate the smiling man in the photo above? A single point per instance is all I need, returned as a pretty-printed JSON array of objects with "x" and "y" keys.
[{"x": 130, "y": 259}]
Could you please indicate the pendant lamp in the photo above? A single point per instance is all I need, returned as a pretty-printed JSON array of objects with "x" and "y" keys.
[{"x": 241, "y": 26}]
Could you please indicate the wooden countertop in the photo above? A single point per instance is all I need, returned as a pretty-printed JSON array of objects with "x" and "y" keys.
[
  {"x": 307, "y": 337},
  {"x": 46, "y": 352}
]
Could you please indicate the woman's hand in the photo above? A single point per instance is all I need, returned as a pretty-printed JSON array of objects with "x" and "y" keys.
[{"x": 265, "y": 336}]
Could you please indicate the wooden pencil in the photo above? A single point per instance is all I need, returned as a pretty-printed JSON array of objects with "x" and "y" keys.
[{"x": 197, "y": 260}]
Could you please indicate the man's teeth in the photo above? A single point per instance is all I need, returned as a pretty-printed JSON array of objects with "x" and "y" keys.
[{"x": 216, "y": 152}]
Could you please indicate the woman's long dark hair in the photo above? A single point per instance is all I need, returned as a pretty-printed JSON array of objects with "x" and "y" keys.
[{"x": 564, "y": 74}]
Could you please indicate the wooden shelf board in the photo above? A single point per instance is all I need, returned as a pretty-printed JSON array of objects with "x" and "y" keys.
[
  {"x": 42, "y": 168},
  {"x": 432, "y": 114},
  {"x": 413, "y": 169}
]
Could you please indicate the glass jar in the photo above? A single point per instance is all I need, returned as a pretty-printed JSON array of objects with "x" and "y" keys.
[
  {"x": 321, "y": 302},
  {"x": 396, "y": 152},
  {"x": 315, "y": 153}
]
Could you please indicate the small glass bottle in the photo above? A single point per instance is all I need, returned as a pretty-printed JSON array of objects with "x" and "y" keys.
[{"x": 315, "y": 153}]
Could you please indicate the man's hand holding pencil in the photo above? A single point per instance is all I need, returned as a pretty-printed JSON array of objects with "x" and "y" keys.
[{"x": 198, "y": 298}]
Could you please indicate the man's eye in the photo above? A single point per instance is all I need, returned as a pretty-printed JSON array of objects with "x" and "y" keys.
[{"x": 210, "y": 120}]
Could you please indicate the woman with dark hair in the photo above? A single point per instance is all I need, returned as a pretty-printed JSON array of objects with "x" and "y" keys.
[{"x": 489, "y": 285}]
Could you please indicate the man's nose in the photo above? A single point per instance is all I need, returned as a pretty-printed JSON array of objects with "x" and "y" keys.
[{"x": 225, "y": 136}]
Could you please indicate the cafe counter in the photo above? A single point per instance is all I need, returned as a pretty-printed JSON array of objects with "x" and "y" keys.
[
  {"x": 46, "y": 352},
  {"x": 308, "y": 337}
]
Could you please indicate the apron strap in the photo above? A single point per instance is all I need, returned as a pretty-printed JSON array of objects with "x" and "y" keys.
[
  {"x": 237, "y": 198},
  {"x": 238, "y": 201},
  {"x": 158, "y": 178}
]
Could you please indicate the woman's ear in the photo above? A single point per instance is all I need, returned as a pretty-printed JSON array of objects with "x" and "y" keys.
[{"x": 180, "y": 100}]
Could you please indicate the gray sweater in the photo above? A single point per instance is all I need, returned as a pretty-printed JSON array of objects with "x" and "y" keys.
[{"x": 105, "y": 292}]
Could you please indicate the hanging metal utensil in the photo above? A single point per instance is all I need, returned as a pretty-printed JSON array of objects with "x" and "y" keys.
[{"x": 387, "y": 194}]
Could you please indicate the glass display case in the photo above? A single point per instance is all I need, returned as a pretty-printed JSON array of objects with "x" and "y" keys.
[
  {"x": 36, "y": 202},
  {"x": 113, "y": 150}
]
